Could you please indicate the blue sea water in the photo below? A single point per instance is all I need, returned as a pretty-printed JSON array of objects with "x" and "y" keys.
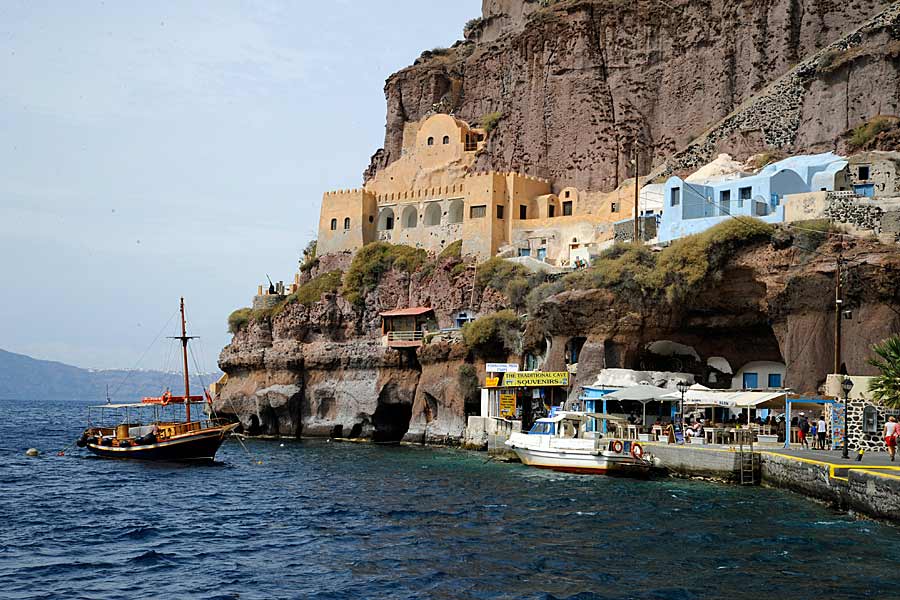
[{"x": 339, "y": 520}]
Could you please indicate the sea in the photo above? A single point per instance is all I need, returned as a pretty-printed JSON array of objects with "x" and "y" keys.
[{"x": 319, "y": 519}]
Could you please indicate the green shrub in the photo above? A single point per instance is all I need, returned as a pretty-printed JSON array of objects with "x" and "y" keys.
[
  {"x": 540, "y": 293},
  {"x": 309, "y": 260},
  {"x": 867, "y": 132},
  {"x": 472, "y": 25},
  {"x": 489, "y": 121},
  {"x": 372, "y": 261},
  {"x": 458, "y": 269},
  {"x": 494, "y": 334},
  {"x": 311, "y": 292},
  {"x": 684, "y": 266},
  {"x": 238, "y": 319},
  {"x": 496, "y": 272},
  {"x": 453, "y": 250},
  {"x": 809, "y": 235}
]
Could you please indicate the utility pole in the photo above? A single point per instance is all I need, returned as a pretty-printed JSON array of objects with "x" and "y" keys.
[
  {"x": 637, "y": 188},
  {"x": 838, "y": 305}
]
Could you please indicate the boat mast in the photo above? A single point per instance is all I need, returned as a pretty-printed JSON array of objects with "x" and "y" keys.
[{"x": 187, "y": 383}]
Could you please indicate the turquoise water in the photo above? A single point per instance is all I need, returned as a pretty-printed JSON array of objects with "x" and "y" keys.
[{"x": 333, "y": 520}]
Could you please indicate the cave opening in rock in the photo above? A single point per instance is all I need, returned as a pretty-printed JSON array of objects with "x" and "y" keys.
[
  {"x": 391, "y": 421},
  {"x": 253, "y": 429}
]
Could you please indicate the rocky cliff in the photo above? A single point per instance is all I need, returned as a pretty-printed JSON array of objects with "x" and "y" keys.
[{"x": 580, "y": 83}]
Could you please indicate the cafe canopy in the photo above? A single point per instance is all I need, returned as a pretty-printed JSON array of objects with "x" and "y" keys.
[{"x": 641, "y": 393}]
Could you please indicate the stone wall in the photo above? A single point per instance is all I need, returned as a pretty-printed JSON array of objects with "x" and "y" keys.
[
  {"x": 624, "y": 230},
  {"x": 849, "y": 210},
  {"x": 267, "y": 301}
]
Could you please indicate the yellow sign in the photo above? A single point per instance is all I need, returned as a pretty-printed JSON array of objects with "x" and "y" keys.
[
  {"x": 536, "y": 379},
  {"x": 507, "y": 405},
  {"x": 491, "y": 381}
]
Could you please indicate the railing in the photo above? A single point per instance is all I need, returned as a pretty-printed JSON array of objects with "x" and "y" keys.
[{"x": 405, "y": 336}]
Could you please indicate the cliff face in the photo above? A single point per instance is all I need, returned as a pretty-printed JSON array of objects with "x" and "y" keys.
[
  {"x": 770, "y": 303},
  {"x": 322, "y": 370},
  {"x": 579, "y": 82}
]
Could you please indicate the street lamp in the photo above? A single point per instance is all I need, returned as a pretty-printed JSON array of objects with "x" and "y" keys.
[
  {"x": 683, "y": 387},
  {"x": 846, "y": 385}
]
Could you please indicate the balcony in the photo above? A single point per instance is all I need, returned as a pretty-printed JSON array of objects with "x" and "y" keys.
[{"x": 404, "y": 339}]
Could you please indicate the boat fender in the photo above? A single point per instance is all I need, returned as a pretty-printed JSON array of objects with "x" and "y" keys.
[
  {"x": 124, "y": 444},
  {"x": 617, "y": 446},
  {"x": 82, "y": 441},
  {"x": 637, "y": 451},
  {"x": 32, "y": 452}
]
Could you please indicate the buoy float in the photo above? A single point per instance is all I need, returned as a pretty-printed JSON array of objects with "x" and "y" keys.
[
  {"x": 637, "y": 451},
  {"x": 32, "y": 452},
  {"x": 617, "y": 446}
]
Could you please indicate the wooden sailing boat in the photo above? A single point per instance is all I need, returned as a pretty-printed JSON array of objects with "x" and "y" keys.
[{"x": 142, "y": 430}]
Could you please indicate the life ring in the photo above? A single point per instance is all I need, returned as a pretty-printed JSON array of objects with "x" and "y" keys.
[
  {"x": 165, "y": 398},
  {"x": 617, "y": 446},
  {"x": 637, "y": 451}
]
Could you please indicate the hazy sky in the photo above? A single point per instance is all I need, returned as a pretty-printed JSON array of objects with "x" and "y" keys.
[{"x": 154, "y": 149}]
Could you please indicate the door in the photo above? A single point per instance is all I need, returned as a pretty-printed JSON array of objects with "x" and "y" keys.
[
  {"x": 865, "y": 189},
  {"x": 542, "y": 254},
  {"x": 751, "y": 381}
]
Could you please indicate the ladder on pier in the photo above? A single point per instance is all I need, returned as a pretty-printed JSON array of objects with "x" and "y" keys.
[{"x": 748, "y": 460}]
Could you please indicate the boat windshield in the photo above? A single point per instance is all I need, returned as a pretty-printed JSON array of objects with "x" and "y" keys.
[{"x": 543, "y": 428}]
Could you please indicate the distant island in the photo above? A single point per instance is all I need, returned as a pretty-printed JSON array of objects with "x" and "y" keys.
[{"x": 25, "y": 378}]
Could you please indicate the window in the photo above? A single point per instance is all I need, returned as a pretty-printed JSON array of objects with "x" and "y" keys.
[
  {"x": 446, "y": 140},
  {"x": 675, "y": 196},
  {"x": 774, "y": 380},
  {"x": 725, "y": 202},
  {"x": 431, "y": 141},
  {"x": 751, "y": 381},
  {"x": 551, "y": 211},
  {"x": 371, "y": 219},
  {"x": 524, "y": 251},
  {"x": 744, "y": 195},
  {"x": 499, "y": 212},
  {"x": 477, "y": 212},
  {"x": 567, "y": 207},
  {"x": 347, "y": 223},
  {"x": 614, "y": 207},
  {"x": 863, "y": 173},
  {"x": 523, "y": 212},
  {"x": 568, "y": 193},
  {"x": 334, "y": 224}
]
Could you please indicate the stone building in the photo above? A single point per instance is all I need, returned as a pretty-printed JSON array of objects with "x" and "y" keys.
[
  {"x": 430, "y": 197},
  {"x": 875, "y": 174}
]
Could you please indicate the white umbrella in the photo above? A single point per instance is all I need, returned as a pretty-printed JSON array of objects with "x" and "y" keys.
[{"x": 642, "y": 394}]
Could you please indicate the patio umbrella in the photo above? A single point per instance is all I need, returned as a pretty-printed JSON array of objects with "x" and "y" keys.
[{"x": 642, "y": 394}]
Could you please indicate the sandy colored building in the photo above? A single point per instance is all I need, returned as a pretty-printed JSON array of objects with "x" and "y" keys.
[{"x": 430, "y": 197}]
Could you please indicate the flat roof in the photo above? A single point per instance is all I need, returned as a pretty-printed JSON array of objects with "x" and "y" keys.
[{"x": 407, "y": 312}]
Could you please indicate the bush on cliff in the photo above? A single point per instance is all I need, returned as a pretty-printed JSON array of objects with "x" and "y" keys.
[
  {"x": 490, "y": 120},
  {"x": 238, "y": 319},
  {"x": 311, "y": 292},
  {"x": 865, "y": 133},
  {"x": 685, "y": 265},
  {"x": 494, "y": 334},
  {"x": 372, "y": 261},
  {"x": 453, "y": 250},
  {"x": 309, "y": 259},
  {"x": 511, "y": 279}
]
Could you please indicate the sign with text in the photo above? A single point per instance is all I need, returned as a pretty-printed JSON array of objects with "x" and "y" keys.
[
  {"x": 536, "y": 379},
  {"x": 507, "y": 405},
  {"x": 501, "y": 367},
  {"x": 491, "y": 381}
]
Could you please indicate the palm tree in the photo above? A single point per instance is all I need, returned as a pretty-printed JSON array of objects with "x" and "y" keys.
[{"x": 885, "y": 388}]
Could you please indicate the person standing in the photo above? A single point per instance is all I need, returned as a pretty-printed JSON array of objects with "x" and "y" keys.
[
  {"x": 891, "y": 431},
  {"x": 803, "y": 430},
  {"x": 822, "y": 432}
]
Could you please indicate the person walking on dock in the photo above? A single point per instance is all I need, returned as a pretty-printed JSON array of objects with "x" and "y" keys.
[
  {"x": 891, "y": 431},
  {"x": 821, "y": 432}
]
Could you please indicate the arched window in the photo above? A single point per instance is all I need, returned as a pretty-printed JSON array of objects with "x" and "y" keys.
[
  {"x": 456, "y": 212},
  {"x": 432, "y": 214},
  {"x": 446, "y": 139},
  {"x": 347, "y": 223},
  {"x": 334, "y": 224},
  {"x": 385, "y": 219},
  {"x": 410, "y": 217},
  {"x": 431, "y": 141}
]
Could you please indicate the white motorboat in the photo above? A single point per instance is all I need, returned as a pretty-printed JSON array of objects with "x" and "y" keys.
[{"x": 562, "y": 442}]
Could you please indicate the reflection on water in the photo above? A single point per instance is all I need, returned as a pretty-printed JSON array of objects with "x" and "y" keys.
[{"x": 331, "y": 520}]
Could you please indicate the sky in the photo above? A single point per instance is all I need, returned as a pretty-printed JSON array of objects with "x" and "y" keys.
[{"x": 150, "y": 150}]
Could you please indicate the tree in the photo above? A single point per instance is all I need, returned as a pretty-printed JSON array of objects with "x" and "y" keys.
[{"x": 885, "y": 388}]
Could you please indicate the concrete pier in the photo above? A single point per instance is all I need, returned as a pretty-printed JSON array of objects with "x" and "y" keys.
[{"x": 870, "y": 487}]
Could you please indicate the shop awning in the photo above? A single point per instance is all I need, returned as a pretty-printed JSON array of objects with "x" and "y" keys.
[
  {"x": 415, "y": 311},
  {"x": 640, "y": 393}
]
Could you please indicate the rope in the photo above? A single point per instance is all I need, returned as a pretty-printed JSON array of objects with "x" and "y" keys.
[{"x": 141, "y": 359}]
